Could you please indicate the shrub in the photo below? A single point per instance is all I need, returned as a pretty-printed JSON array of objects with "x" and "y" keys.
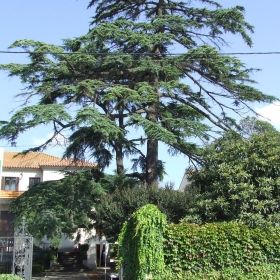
[
  {"x": 37, "y": 268},
  {"x": 219, "y": 246},
  {"x": 141, "y": 244},
  {"x": 53, "y": 255},
  {"x": 116, "y": 208},
  {"x": 239, "y": 180},
  {"x": 9, "y": 277},
  {"x": 264, "y": 272}
]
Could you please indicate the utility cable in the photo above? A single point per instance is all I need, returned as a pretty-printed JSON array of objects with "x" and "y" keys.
[{"x": 144, "y": 54}]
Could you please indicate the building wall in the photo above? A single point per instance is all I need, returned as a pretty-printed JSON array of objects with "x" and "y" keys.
[
  {"x": 51, "y": 173},
  {"x": 57, "y": 173},
  {"x": 184, "y": 183},
  {"x": 45, "y": 174},
  {"x": 6, "y": 227},
  {"x": 69, "y": 244},
  {"x": 23, "y": 175}
]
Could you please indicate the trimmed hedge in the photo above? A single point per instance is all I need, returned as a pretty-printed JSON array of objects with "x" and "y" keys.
[
  {"x": 262, "y": 272},
  {"x": 9, "y": 277},
  {"x": 218, "y": 246}
]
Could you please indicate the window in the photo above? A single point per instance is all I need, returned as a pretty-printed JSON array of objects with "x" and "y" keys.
[
  {"x": 10, "y": 183},
  {"x": 33, "y": 181}
]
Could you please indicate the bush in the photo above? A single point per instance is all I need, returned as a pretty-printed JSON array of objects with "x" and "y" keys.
[
  {"x": 9, "y": 277},
  {"x": 141, "y": 244},
  {"x": 239, "y": 180},
  {"x": 116, "y": 208},
  {"x": 37, "y": 268},
  {"x": 219, "y": 246},
  {"x": 265, "y": 272},
  {"x": 41, "y": 257},
  {"x": 52, "y": 255}
]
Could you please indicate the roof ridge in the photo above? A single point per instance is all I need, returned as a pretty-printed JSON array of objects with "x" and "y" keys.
[{"x": 36, "y": 160}]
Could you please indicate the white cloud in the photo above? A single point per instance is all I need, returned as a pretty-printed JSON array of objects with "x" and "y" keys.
[
  {"x": 60, "y": 140},
  {"x": 38, "y": 141},
  {"x": 270, "y": 113}
]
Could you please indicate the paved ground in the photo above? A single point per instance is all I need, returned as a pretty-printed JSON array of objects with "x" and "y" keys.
[
  {"x": 64, "y": 276},
  {"x": 90, "y": 275}
]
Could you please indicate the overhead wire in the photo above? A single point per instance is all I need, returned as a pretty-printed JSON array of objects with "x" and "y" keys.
[{"x": 145, "y": 54}]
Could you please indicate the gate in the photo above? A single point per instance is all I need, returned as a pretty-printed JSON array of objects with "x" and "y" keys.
[
  {"x": 22, "y": 253},
  {"x": 6, "y": 254}
]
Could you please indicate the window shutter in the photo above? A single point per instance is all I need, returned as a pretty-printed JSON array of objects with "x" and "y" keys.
[
  {"x": 3, "y": 183},
  {"x": 17, "y": 183}
]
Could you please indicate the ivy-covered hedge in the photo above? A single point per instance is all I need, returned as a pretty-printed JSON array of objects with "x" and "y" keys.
[
  {"x": 260, "y": 272},
  {"x": 217, "y": 246},
  {"x": 141, "y": 244}
]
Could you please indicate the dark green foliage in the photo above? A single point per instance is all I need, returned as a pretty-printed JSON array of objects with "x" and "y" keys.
[
  {"x": 83, "y": 250},
  {"x": 192, "y": 249},
  {"x": 41, "y": 258},
  {"x": 239, "y": 180},
  {"x": 118, "y": 181},
  {"x": 52, "y": 254},
  {"x": 6, "y": 267},
  {"x": 120, "y": 76},
  {"x": 116, "y": 208},
  {"x": 55, "y": 207},
  {"x": 141, "y": 244},
  {"x": 37, "y": 268}
]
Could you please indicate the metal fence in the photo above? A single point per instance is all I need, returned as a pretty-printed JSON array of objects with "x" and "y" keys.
[
  {"x": 22, "y": 253},
  {"x": 16, "y": 253},
  {"x": 6, "y": 254}
]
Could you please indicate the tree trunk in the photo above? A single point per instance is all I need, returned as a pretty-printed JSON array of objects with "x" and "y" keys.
[
  {"x": 119, "y": 158},
  {"x": 152, "y": 115},
  {"x": 152, "y": 151},
  {"x": 118, "y": 144}
]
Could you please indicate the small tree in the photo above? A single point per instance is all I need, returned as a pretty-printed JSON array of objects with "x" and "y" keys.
[
  {"x": 240, "y": 180},
  {"x": 55, "y": 207},
  {"x": 141, "y": 244},
  {"x": 117, "y": 207},
  {"x": 253, "y": 125}
]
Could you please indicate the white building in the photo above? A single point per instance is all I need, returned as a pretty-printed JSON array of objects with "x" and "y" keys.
[
  {"x": 21, "y": 171},
  {"x": 185, "y": 183}
]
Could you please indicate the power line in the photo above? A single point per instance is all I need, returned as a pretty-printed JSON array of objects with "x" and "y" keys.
[
  {"x": 16, "y": 146},
  {"x": 145, "y": 54}
]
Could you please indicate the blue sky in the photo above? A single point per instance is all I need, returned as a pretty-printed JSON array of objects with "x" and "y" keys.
[{"x": 52, "y": 20}]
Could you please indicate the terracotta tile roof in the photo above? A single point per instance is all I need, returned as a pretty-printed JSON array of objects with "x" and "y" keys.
[{"x": 38, "y": 160}]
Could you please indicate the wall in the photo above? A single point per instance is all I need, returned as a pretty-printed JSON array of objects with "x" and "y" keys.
[
  {"x": 23, "y": 175},
  {"x": 184, "y": 183},
  {"x": 45, "y": 174},
  {"x": 57, "y": 173},
  {"x": 68, "y": 244},
  {"x": 1, "y": 164},
  {"x": 51, "y": 173},
  {"x": 6, "y": 227}
]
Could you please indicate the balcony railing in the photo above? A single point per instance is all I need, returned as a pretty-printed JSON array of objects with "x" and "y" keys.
[{"x": 10, "y": 194}]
